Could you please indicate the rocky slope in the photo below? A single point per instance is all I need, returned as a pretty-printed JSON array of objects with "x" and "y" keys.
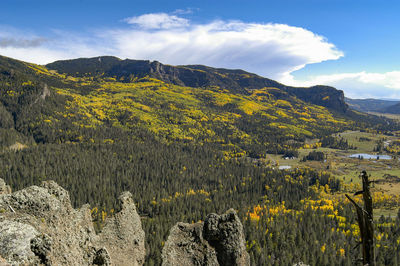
[{"x": 38, "y": 226}]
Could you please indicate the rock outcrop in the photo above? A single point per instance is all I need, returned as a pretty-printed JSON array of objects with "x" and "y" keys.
[
  {"x": 4, "y": 188},
  {"x": 186, "y": 246},
  {"x": 38, "y": 226},
  {"x": 218, "y": 241},
  {"x": 123, "y": 235},
  {"x": 225, "y": 234}
]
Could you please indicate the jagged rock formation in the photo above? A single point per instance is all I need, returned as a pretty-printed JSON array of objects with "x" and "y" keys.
[
  {"x": 218, "y": 241},
  {"x": 38, "y": 226},
  {"x": 130, "y": 237},
  {"x": 186, "y": 246},
  {"x": 225, "y": 234}
]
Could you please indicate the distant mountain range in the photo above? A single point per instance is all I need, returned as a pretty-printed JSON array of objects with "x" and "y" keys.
[
  {"x": 374, "y": 105},
  {"x": 392, "y": 109}
]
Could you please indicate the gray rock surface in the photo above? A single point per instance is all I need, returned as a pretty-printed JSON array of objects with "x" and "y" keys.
[
  {"x": 225, "y": 234},
  {"x": 123, "y": 235},
  {"x": 218, "y": 241},
  {"x": 102, "y": 257},
  {"x": 300, "y": 264},
  {"x": 4, "y": 189},
  {"x": 38, "y": 226},
  {"x": 186, "y": 246},
  {"x": 41, "y": 247},
  {"x": 15, "y": 245}
]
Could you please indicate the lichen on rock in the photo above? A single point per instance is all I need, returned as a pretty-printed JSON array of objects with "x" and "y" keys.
[{"x": 15, "y": 246}]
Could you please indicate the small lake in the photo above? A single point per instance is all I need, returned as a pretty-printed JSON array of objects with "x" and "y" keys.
[
  {"x": 284, "y": 167},
  {"x": 371, "y": 156}
]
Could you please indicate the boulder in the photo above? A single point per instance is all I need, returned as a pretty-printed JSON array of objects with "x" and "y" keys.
[{"x": 15, "y": 242}]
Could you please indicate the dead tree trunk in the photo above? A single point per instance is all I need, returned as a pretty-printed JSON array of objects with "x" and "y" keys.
[{"x": 365, "y": 221}]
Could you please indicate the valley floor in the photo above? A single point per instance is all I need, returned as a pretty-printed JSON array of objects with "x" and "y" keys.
[{"x": 385, "y": 172}]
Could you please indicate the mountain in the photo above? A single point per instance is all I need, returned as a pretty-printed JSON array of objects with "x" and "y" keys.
[
  {"x": 106, "y": 98},
  {"x": 194, "y": 76},
  {"x": 370, "y": 105},
  {"x": 392, "y": 109}
]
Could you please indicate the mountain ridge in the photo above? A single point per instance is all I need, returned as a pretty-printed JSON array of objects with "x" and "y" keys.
[
  {"x": 104, "y": 99},
  {"x": 235, "y": 80},
  {"x": 370, "y": 105},
  {"x": 392, "y": 109}
]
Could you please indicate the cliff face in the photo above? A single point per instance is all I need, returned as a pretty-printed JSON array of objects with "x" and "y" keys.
[
  {"x": 38, "y": 226},
  {"x": 321, "y": 95}
]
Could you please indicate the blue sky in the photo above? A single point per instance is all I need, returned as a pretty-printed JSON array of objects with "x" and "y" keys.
[{"x": 352, "y": 44}]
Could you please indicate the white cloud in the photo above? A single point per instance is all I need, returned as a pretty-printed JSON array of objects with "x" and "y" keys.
[
  {"x": 271, "y": 50},
  {"x": 185, "y": 11},
  {"x": 26, "y": 46},
  {"x": 358, "y": 85},
  {"x": 158, "y": 21}
]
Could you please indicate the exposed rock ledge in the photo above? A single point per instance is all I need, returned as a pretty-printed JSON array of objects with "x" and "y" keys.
[
  {"x": 38, "y": 226},
  {"x": 218, "y": 241}
]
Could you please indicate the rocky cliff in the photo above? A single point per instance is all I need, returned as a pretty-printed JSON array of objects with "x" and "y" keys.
[{"x": 38, "y": 226}]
